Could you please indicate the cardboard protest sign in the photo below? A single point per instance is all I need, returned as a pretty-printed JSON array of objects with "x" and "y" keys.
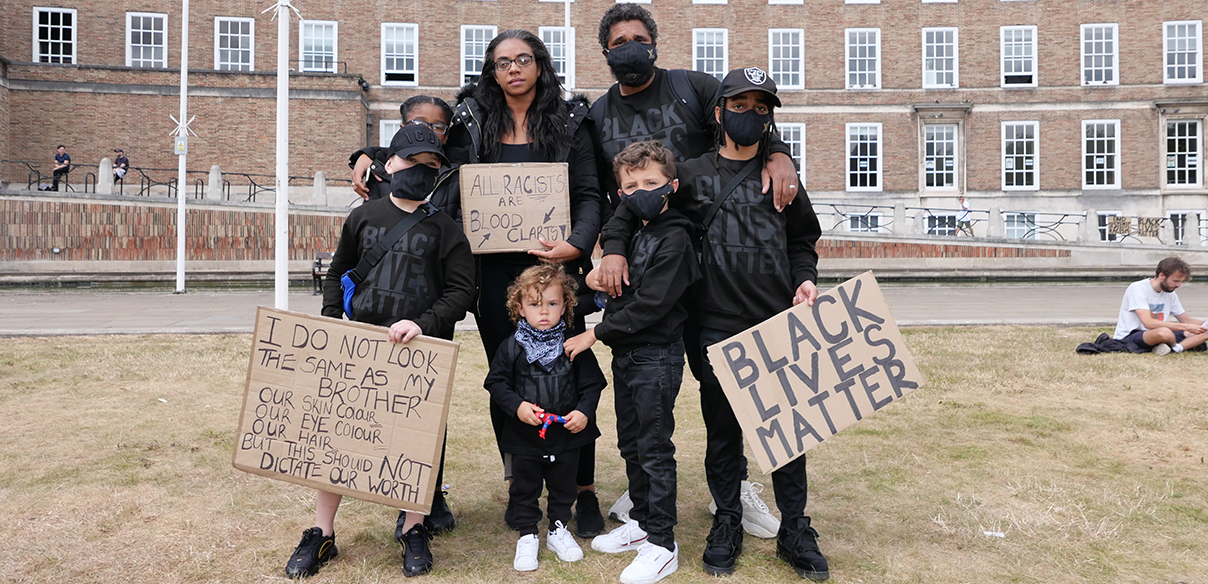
[
  {"x": 334, "y": 405},
  {"x": 805, "y": 374},
  {"x": 1117, "y": 225},
  {"x": 508, "y": 207}
]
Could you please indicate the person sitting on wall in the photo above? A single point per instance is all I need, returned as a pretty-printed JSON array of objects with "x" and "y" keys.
[
  {"x": 1147, "y": 308},
  {"x": 62, "y": 166},
  {"x": 121, "y": 164}
]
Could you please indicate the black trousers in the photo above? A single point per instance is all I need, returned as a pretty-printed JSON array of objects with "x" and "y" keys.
[
  {"x": 529, "y": 474},
  {"x": 495, "y": 326},
  {"x": 57, "y": 174},
  {"x": 647, "y": 381},
  {"x": 725, "y": 463}
]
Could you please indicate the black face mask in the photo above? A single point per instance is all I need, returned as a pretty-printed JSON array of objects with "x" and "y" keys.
[
  {"x": 415, "y": 183},
  {"x": 648, "y": 204},
  {"x": 632, "y": 63},
  {"x": 746, "y": 128}
]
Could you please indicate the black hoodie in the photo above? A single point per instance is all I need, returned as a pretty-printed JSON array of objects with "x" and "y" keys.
[{"x": 651, "y": 309}]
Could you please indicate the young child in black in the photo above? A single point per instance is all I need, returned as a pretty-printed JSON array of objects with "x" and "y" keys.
[
  {"x": 532, "y": 378},
  {"x": 756, "y": 264},
  {"x": 644, "y": 326},
  {"x": 422, "y": 285}
]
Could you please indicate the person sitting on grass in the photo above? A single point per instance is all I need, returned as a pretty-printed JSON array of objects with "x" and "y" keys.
[
  {"x": 428, "y": 297},
  {"x": 532, "y": 378},
  {"x": 644, "y": 327},
  {"x": 1147, "y": 308}
]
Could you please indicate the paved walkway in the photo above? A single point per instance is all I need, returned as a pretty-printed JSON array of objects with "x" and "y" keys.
[{"x": 35, "y": 313}]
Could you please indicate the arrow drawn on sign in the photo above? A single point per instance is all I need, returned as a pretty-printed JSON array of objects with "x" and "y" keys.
[
  {"x": 548, "y": 215},
  {"x": 484, "y": 239}
]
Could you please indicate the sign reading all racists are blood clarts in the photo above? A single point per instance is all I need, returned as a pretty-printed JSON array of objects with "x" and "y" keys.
[{"x": 511, "y": 207}]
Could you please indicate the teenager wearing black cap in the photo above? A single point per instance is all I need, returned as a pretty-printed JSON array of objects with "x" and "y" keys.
[
  {"x": 422, "y": 285},
  {"x": 757, "y": 262}
]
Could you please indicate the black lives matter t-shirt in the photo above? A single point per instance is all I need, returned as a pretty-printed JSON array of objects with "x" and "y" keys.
[
  {"x": 753, "y": 257},
  {"x": 427, "y": 277}
]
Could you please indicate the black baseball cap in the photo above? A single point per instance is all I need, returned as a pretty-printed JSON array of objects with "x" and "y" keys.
[
  {"x": 119, "y": 150},
  {"x": 749, "y": 79},
  {"x": 413, "y": 139}
]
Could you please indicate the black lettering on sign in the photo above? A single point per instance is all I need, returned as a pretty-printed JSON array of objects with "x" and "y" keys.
[{"x": 773, "y": 430}]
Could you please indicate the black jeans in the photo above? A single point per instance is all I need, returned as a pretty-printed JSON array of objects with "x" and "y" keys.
[
  {"x": 529, "y": 474},
  {"x": 58, "y": 174},
  {"x": 725, "y": 463},
  {"x": 495, "y": 326},
  {"x": 647, "y": 381}
]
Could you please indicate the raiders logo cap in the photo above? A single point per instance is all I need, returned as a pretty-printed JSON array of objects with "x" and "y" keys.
[{"x": 749, "y": 79}]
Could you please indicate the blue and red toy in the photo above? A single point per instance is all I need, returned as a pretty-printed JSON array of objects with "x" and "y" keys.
[{"x": 547, "y": 419}]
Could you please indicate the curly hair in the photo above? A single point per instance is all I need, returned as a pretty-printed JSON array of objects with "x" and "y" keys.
[
  {"x": 534, "y": 281},
  {"x": 637, "y": 155},
  {"x": 624, "y": 12},
  {"x": 547, "y": 129}
]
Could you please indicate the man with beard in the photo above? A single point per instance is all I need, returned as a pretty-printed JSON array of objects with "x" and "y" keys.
[
  {"x": 675, "y": 107},
  {"x": 1147, "y": 308}
]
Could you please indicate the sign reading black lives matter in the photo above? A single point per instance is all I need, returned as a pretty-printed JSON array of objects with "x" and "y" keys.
[
  {"x": 509, "y": 207},
  {"x": 805, "y": 374},
  {"x": 334, "y": 405}
]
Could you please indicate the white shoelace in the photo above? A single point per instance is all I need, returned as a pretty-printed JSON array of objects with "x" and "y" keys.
[{"x": 753, "y": 496}]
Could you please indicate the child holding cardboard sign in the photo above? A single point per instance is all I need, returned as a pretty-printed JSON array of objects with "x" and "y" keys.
[
  {"x": 422, "y": 282},
  {"x": 530, "y": 377},
  {"x": 756, "y": 263},
  {"x": 644, "y": 326}
]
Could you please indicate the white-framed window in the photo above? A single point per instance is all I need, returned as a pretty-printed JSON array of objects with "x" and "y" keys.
[
  {"x": 234, "y": 43},
  {"x": 561, "y": 41},
  {"x": 940, "y": 58},
  {"x": 54, "y": 35},
  {"x": 1020, "y": 225},
  {"x": 939, "y": 157},
  {"x": 863, "y": 58},
  {"x": 1100, "y": 154},
  {"x": 941, "y": 225},
  {"x": 318, "y": 45},
  {"x": 387, "y": 129},
  {"x": 1018, "y": 46},
  {"x": 146, "y": 40},
  {"x": 786, "y": 57},
  {"x": 400, "y": 53},
  {"x": 793, "y": 135},
  {"x": 870, "y": 223},
  {"x": 1104, "y": 233},
  {"x": 1184, "y": 153},
  {"x": 1186, "y": 226},
  {"x": 1184, "y": 53},
  {"x": 864, "y": 156},
  {"x": 710, "y": 51},
  {"x": 1020, "y": 157},
  {"x": 1100, "y": 53},
  {"x": 474, "y": 41}
]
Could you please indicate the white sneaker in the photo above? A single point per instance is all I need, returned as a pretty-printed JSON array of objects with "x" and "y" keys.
[
  {"x": 526, "y": 553},
  {"x": 625, "y": 538},
  {"x": 1161, "y": 349},
  {"x": 561, "y": 542},
  {"x": 757, "y": 519},
  {"x": 619, "y": 511},
  {"x": 652, "y": 564}
]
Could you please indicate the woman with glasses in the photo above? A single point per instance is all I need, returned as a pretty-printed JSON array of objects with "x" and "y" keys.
[{"x": 517, "y": 113}]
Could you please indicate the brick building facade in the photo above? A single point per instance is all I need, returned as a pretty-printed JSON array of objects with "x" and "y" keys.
[{"x": 1033, "y": 107}]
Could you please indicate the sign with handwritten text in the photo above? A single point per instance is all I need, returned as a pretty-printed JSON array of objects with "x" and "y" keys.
[
  {"x": 807, "y": 373},
  {"x": 334, "y": 405},
  {"x": 510, "y": 207}
]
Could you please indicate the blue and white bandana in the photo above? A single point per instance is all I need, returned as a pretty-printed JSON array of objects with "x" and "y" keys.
[{"x": 541, "y": 346}]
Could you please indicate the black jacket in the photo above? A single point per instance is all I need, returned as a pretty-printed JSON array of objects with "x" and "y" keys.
[
  {"x": 427, "y": 277},
  {"x": 753, "y": 258},
  {"x": 651, "y": 309},
  {"x": 568, "y": 386}
]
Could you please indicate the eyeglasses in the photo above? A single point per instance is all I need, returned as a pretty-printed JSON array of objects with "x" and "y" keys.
[
  {"x": 438, "y": 127},
  {"x": 505, "y": 64}
]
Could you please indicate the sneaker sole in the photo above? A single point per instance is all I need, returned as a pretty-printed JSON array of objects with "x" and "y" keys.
[
  {"x": 671, "y": 569},
  {"x": 572, "y": 558},
  {"x": 437, "y": 529},
  {"x": 1161, "y": 350},
  {"x": 717, "y": 570},
  {"x": 802, "y": 572}
]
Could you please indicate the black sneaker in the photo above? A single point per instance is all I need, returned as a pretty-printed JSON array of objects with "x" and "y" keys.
[
  {"x": 441, "y": 519},
  {"x": 509, "y": 517},
  {"x": 417, "y": 556},
  {"x": 589, "y": 522},
  {"x": 312, "y": 552},
  {"x": 798, "y": 545},
  {"x": 724, "y": 545}
]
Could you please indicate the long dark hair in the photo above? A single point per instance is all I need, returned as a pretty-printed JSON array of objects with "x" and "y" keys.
[
  {"x": 546, "y": 116},
  {"x": 719, "y": 132}
]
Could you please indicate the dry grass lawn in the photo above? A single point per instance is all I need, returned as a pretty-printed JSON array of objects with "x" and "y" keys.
[{"x": 117, "y": 468}]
